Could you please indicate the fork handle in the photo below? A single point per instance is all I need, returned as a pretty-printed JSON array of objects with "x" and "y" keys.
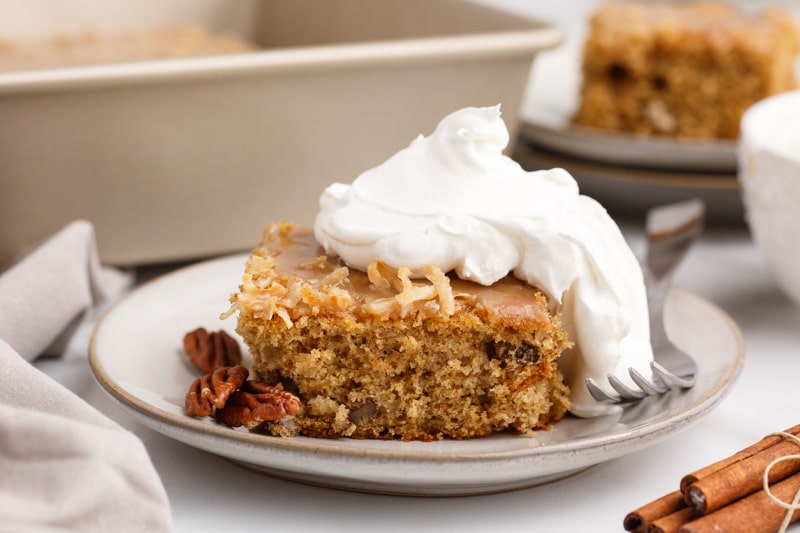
[
  {"x": 671, "y": 231},
  {"x": 656, "y": 298}
]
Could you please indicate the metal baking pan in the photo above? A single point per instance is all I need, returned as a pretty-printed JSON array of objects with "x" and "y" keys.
[{"x": 179, "y": 159}]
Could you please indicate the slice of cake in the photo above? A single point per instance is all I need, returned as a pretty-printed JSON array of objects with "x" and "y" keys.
[
  {"x": 682, "y": 69},
  {"x": 444, "y": 293},
  {"x": 376, "y": 355}
]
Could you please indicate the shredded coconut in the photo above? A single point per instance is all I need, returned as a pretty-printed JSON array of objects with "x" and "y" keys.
[
  {"x": 443, "y": 290},
  {"x": 336, "y": 277},
  {"x": 376, "y": 275},
  {"x": 439, "y": 291}
]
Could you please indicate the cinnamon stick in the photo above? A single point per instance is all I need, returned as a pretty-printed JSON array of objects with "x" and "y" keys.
[
  {"x": 741, "y": 455},
  {"x": 741, "y": 478},
  {"x": 671, "y": 522},
  {"x": 754, "y": 514},
  {"x": 639, "y": 521}
]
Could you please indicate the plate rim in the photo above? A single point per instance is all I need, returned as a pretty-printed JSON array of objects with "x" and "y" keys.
[
  {"x": 417, "y": 453},
  {"x": 654, "y": 177},
  {"x": 701, "y": 155}
]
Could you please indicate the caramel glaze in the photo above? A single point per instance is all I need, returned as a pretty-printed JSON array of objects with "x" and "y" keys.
[{"x": 296, "y": 254}]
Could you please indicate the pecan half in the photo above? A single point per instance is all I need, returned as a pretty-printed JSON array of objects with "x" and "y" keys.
[
  {"x": 257, "y": 402},
  {"x": 214, "y": 389},
  {"x": 208, "y": 351}
]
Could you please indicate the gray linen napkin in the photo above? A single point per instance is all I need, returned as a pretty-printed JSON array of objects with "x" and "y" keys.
[{"x": 64, "y": 466}]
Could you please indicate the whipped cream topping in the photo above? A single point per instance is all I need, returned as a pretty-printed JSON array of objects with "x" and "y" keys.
[{"x": 453, "y": 200}]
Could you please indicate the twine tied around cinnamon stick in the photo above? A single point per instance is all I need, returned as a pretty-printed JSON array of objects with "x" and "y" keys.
[
  {"x": 795, "y": 504},
  {"x": 752, "y": 487}
]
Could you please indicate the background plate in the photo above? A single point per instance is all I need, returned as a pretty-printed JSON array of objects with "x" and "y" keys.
[
  {"x": 136, "y": 355},
  {"x": 631, "y": 150},
  {"x": 629, "y": 191}
]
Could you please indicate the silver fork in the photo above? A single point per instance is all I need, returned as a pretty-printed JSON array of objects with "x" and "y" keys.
[{"x": 671, "y": 230}]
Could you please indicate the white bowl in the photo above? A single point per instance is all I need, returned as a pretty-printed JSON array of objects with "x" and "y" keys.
[{"x": 769, "y": 172}]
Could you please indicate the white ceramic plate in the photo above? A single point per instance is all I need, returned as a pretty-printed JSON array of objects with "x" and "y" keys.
[{"x": 136, "y": 355}]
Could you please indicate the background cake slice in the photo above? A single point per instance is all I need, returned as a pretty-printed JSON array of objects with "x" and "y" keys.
[{"x": 684, "y": 69}]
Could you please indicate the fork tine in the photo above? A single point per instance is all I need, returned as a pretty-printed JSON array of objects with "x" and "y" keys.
[
  {"x": 671, "y": 380},
  {"x": 625, "y": 391},
  {"x": 599, "y": 394},
  {"x": 650, "y": 387}
]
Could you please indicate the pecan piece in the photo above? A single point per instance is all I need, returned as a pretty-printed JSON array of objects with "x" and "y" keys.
[
  {"x": 506, "y": 351},
  {"x": 208, "y": 351},
  {"x": 363, "y": 413},
  {"x": 214, "y": 389},
  {"x": 257, "y": 402}
]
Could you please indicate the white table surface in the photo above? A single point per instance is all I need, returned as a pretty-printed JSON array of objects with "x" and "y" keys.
[{"x": 208, "y": 493}]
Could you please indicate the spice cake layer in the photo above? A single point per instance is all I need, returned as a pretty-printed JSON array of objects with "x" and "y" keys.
[{"x": 378, "y": 355}]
